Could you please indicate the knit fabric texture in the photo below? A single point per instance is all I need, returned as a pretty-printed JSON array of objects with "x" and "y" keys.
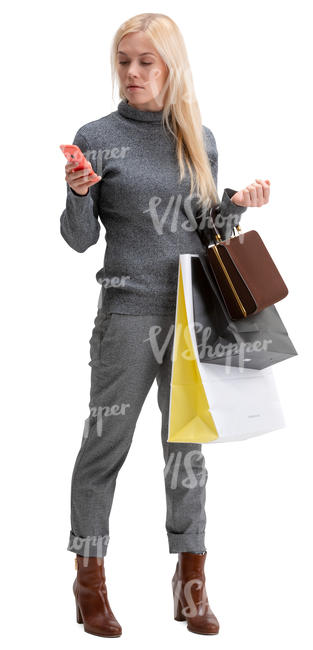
[{"x": 146, "y": 211}]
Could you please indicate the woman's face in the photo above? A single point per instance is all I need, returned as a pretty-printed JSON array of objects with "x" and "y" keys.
[{"x": 139, "y": 64}]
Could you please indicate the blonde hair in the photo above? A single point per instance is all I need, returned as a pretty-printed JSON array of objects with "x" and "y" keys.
[{"x": 181, "y": 114}]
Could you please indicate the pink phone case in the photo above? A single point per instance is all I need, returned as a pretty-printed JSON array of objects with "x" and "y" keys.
[{"x": 73, "y": 154}]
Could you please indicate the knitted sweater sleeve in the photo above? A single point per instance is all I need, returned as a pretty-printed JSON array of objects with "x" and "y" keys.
[
  {"x": 79, "y": 224},
  {"x": 230, "y": 213}
]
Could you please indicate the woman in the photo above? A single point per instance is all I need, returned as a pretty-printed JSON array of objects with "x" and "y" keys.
[{"x": 153, "y": 171}]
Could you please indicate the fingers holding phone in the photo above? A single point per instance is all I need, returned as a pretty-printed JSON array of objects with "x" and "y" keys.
[
  {"x": 79, "y": 173},
  {"x": 82, "y": 179}
]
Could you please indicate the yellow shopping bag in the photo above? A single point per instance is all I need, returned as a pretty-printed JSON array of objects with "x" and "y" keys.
[{"x": 190, "y": 419}]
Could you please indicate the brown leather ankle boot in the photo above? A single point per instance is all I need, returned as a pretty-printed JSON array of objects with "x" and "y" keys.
[
  {"x": 92, "y": 605},
  {"x": 190, "y": 597}
]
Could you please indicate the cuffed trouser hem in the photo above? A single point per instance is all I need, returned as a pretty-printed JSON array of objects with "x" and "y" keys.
[
  {"x": 186, "y": 542},
  {"x": 91, "y": 546}
]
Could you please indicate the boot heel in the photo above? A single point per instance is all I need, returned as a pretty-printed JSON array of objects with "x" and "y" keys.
[
  {"x": 78, "y": 614},
  {"x": 178, "y": 615}
]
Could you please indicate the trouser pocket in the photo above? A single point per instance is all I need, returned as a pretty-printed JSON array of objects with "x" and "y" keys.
[{"x": 101, "y": 324}]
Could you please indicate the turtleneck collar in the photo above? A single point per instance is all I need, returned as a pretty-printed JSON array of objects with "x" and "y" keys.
[{"x": 125, "y": 109}]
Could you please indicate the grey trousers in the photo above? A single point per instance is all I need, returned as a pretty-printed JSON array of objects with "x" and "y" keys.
[{"x": 127, "y": 352}]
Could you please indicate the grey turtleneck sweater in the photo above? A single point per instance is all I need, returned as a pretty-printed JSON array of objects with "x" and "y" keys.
[{"x": 143, "y": 207}]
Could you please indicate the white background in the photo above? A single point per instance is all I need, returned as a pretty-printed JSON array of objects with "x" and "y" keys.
[{"x": 251, "y": 68}]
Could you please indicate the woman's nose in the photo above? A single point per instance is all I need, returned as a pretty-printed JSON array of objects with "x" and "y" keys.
[{"x": 133, "y": 69}]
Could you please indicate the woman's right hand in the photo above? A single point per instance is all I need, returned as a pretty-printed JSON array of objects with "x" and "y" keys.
[{"x": 81, "y": 180}]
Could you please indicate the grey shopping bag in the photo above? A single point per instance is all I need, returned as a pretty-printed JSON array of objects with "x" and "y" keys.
[{"x": 257, "y": 341}]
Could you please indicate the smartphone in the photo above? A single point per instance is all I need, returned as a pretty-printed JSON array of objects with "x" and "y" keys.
[{"x": 73, "y": 154}]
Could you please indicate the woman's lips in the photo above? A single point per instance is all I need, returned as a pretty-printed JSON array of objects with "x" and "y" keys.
[{"x": 134, "y": 88}]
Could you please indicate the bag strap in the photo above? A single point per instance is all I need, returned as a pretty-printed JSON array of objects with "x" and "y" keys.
[{"x": 213, "y": 211}]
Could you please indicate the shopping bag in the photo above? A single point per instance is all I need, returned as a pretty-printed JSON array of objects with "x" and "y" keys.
[
  {"x": 257, "y": 341},
  {"x": 214, "y": 403}
]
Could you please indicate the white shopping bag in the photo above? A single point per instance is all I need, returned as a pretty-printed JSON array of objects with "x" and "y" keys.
[{"x": 212, "y": 403}]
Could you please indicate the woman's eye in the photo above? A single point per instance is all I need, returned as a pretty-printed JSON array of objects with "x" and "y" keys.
[{"x": 125, "y": 62}]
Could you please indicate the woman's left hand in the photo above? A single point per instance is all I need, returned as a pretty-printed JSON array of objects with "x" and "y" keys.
[{"x": 254, "y": 195}]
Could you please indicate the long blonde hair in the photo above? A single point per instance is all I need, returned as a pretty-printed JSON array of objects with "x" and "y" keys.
[{"x": 180, "y": 116}]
